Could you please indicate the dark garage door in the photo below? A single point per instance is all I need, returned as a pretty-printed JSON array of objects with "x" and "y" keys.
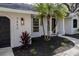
[{"x": 4, "y": 32}]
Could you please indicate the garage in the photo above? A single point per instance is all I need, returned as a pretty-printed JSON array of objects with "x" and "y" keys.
[{"x": 4, "y": 32}]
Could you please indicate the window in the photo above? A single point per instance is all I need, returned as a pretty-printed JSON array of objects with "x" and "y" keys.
[
  {"x": 35, "y": 25},
  {"x": 75, "y": 23}
]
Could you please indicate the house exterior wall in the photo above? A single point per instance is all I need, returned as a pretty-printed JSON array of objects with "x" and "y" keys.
[
  {"x": 60, "y": 26},
  {"x": 16, "y": 31},
  {"x": 74, "y": 30},
  {"x": 16, "y": 28},
  {"x": 40, "y": 33},
  {"x": 36, "y": 34},
  {"x": 69, "y": 24}
]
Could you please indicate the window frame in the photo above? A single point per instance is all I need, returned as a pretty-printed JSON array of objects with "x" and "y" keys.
[{"x": 35, "y": 26}]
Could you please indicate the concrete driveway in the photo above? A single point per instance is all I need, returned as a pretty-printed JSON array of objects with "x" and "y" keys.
[{"x": 6, "y": 51}]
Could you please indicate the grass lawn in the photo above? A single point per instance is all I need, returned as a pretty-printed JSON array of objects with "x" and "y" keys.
[{"x": 40, "y": 47}]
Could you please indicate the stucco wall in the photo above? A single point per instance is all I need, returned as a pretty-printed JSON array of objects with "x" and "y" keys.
[
  {"x": 40, "y": 33},
  {"x": 74, "y": 29},
  {"x": 16, "y": 31},
  {"x": 60, "y": 26},
  {"x": 69, "y": 24}
]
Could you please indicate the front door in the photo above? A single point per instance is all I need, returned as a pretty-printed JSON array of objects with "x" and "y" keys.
[
  {"x": 53, "y": 25},
  {"x": 4, "y": 32}
]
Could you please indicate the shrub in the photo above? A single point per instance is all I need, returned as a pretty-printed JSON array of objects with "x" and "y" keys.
[
  {"x": 25, "y": 39},
  {"x": 33, "y": 51}
]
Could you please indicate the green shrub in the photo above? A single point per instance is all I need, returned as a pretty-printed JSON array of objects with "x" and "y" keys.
[{"x": 33, "y": 51}]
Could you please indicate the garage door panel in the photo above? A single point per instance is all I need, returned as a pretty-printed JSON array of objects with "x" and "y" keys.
[{"x": 4, "y": 32}]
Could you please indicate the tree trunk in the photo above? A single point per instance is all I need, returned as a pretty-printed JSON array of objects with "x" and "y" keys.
[
  {"x": 48, "y": 28},
  {"x": 43, "y": 28}
]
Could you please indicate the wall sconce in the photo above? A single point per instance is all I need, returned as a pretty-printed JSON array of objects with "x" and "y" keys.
[{"x": 22, "y": 21}]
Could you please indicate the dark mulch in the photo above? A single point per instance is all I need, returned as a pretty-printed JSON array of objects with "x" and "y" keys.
[
  {"x": 41, "y": 47},
  {"x": 73, "y": 35}
]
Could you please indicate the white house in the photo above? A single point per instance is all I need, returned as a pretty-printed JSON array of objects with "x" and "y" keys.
[
  {"x": 17, "y": 18},
  {"x": 71, "y": 24},
  {"x": 72, "y": 21}
]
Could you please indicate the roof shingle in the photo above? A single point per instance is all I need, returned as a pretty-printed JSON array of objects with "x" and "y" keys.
[{"x": 18, "y": 6}]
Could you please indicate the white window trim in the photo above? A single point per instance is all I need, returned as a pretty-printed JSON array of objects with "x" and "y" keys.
[{"x": 32, "y": 26}]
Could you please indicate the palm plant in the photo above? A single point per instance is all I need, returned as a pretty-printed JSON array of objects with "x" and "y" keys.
[
  {"x": 40, "y": 7},
  {"x": 49, "y": 14},
  {"x": 58, "y": 11}
]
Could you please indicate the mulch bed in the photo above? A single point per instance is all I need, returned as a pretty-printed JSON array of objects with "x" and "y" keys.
[
  {"x": 40, "y": 47},
  {"x": 73, "y": 35}
]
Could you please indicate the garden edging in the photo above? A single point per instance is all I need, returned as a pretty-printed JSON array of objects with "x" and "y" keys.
[{"x": 73, "y": 51}]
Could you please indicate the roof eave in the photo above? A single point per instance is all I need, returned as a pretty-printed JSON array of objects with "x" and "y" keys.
[{"x": 17, "y": 11}]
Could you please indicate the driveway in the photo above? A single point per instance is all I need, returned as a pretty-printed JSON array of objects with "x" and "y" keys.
[
  {"x": 73, "y": 51},
  {"x": 6, "y": 51}
]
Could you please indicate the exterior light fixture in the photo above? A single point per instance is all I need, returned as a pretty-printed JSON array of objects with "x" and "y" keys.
[{"x": 22, "y": 21}]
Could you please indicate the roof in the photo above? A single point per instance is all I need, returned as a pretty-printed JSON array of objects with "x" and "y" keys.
[{"x": 18, "y": 6}]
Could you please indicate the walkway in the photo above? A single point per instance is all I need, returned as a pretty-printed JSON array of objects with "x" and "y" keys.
[
  {"x": 73, "y": 51},
  {"x": 6, "y": 51}
]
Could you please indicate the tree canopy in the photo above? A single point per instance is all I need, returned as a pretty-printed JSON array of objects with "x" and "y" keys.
[{"x": 49, "y": 9}]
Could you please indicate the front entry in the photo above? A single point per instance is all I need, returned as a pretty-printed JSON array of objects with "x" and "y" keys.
[
  {"x": 4, "y": 32},
  {"x": 53, "y": 25}
]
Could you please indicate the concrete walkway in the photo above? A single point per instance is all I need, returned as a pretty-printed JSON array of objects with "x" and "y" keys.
[
  {"x": 6, "y": 51},
  {"x": 73, "y": 51}
]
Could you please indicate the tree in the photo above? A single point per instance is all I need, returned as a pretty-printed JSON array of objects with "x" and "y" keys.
[
  {"x": 49, "y": 13},
  {"x": 58, "y": 11},
  {"x": 49, "y": 10},
  {"x": 40, "y": 7},
  {"x": 72, "y": 7}
]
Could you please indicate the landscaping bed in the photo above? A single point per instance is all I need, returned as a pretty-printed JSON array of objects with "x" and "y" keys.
[
  {"x": 73, "y": 35},
  {"x": 40, "y": 47}
]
